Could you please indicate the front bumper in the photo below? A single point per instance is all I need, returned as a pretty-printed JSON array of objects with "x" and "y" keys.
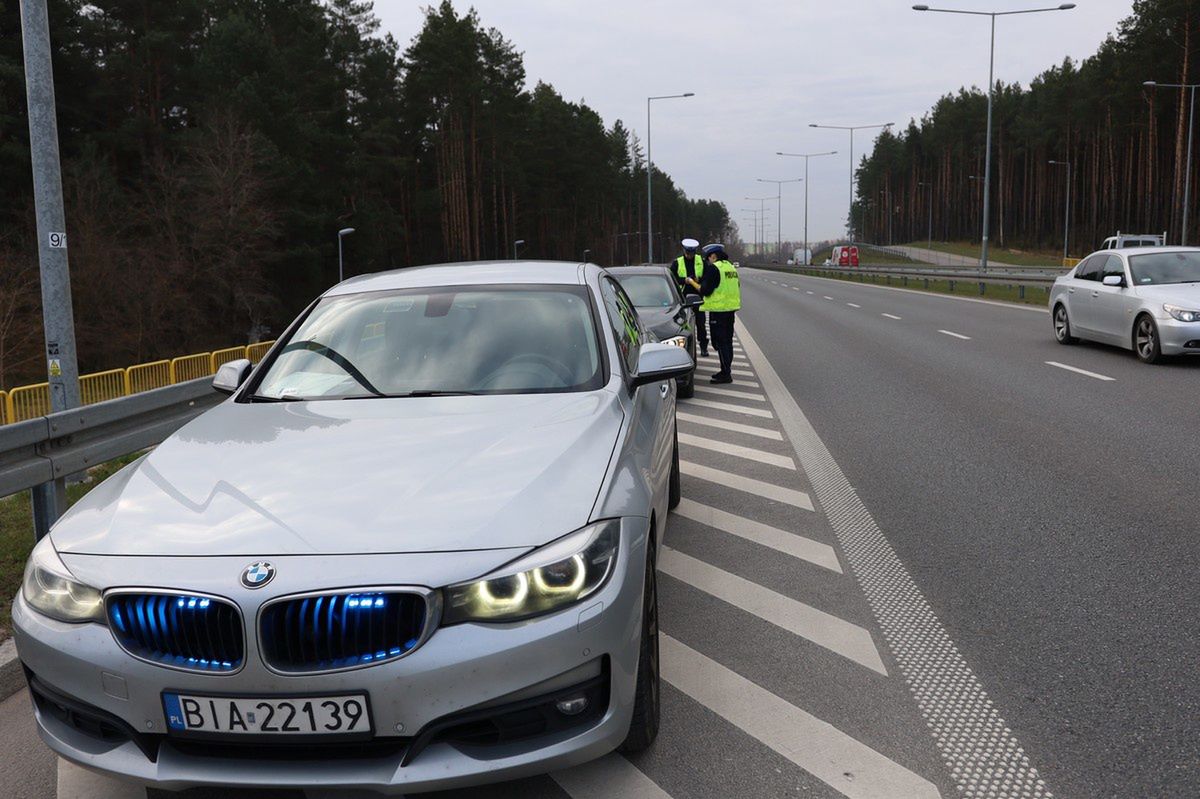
[
  {"x": 1178, "y": 338},
  {"x": 463, "y": 673}
]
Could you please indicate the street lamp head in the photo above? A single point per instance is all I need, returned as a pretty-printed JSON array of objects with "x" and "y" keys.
[
  {"x": 689, "y": 94},
  {"x": 1066, "y": 6},
  {"x": 813, "y": 125},
  {"x": 346, "y": 231},
  {"x": 1150, "y": 84},
  {"x": 519, "y": 241},
  {"x": 920, "y": 8}
]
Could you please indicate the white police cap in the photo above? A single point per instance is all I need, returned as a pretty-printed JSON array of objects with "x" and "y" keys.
[{"x": 690, "y": 244}]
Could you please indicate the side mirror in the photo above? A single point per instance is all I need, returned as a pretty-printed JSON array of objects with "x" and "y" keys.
[
  {"x": 1113, "y": 280},
  {"x": 230, "y": 376},
  {"x": 658, "y": 362},
  {"x": 693, "y": 301}
]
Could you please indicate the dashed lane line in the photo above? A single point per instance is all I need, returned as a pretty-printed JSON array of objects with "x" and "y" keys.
[
  {"x": 1079, "y": 371},
  {"x": 828, "y": 297},
  {"x": 750, "y": 454},
  {"x": 890, "y": 316},
  {"x": 980, "y": 750},
  {"x": 823, "y": 629},
  {"x": 611, "y": 775},
  {"x": 955, "y": 335},
  {"x": 725, "y": 406},
  {"x": 830, "y": 755},
  {"x": 732, "y": 427},
  {"x": 789, "y": 496},
  {"x": 808, "y": 292},
  {"x": 725, "y": 392},
  {"x": 854, "y": 305},
  {"x": 797, "y": 546}
]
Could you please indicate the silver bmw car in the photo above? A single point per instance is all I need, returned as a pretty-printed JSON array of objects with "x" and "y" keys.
[
  {"x": 1143, "y": 299},
  {"x": 415, "y": 549}
]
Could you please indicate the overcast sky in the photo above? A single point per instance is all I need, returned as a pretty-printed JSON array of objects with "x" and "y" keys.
[{"x": 762, "y": 71}]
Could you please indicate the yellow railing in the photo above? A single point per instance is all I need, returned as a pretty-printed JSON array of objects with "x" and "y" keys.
[
  {"x": 27, "y": 402},
  {"x": 1070, "y": 262}
]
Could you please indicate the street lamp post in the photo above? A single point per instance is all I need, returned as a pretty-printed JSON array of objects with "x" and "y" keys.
[
  {"x": 779, "y": 209},
  {"x": 650, "y": 175},
  {"x": 1187, "y": 175},
  {"x": 754, "y": 221},
  {"x": 851, "y": 128},
  {"x": 762, "y": 210},
  {"x": 517, "y": 244},
  {"x": 1067, "y": 212},
  {"x": 987, "y": 168},
  {"x": 807, "y": 156},
  {"x": 343, "y": 233},
  {"x": 929, "y": 245}
]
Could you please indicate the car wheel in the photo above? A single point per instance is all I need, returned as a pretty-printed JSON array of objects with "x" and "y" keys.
[
  {"x": 687, "y": 389},
  {"x": 643, "y": 728},
  {"x": 675, "y": 490},
  {"x": 1145, "y": 340},
  {"x": 1062, "y": 326}
]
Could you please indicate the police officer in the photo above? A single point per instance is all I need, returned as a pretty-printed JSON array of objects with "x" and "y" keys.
[
  {"x": 723, "y": 292},
  {"x": 689, "y": 272}
]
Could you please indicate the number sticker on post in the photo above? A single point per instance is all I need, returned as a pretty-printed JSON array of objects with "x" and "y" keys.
[{"x": 270, "y": 715}]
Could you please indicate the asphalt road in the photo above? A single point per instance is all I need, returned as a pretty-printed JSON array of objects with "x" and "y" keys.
[{"x": 1048, "y": 516}]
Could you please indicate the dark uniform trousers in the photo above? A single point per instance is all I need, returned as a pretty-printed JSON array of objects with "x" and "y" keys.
[
  {"x": 702, "y": 330},
  {"x": 721, "y": 327}
]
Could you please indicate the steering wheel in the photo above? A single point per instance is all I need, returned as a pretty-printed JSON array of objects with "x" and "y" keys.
[{"x": 557, "y": 368}]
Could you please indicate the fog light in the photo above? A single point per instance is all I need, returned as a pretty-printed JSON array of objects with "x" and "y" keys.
[{"x": 572, "y": 706}]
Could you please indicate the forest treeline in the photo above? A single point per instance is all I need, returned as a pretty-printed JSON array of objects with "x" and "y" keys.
[
  {"x": 1125, "y": 143},
  {"x": 213, "y": 148}
]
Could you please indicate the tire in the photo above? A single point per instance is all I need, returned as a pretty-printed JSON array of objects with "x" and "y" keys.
[
  {"x": 643, "y": 728},
  {"x": 688, "y": 390},
  {"x": 1146, "y": 344},
  {"x": 674, "y": 490},
  {"x": 1062, "y": 326}
]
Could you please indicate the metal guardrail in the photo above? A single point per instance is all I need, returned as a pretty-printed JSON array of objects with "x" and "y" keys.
[
  {"x": 40, "y": 453},
  {"x": 1021, "y": 280}
]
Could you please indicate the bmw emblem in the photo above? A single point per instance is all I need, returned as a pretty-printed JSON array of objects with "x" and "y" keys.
[{"x": 256, "y": 575}]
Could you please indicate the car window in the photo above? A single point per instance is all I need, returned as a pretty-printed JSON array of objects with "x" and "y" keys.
[
  {"x": 474, "y": 339},
  {"x": 625, "y": 324},
  {"x": 1113, "y": 266},
  {"x": 1165, "y": 267},
  {"x": 1090, "y": 268},
  {"x": 649, "y": 291}
]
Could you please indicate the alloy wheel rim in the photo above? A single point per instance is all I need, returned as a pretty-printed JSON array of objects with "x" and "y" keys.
[
  {"x": 1060, "y": 323},
  {"x": 1145, "y": 338}
]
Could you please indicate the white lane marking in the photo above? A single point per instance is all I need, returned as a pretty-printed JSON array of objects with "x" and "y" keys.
[
  {"x": 828, "y": 297},
  {"x": 725, "y": 406},
  {"x": 724, "y": 392},
  {"x": 789, "y": 496},
  {"x": 795, "y": 288},
  {"x": 890, "y": 316},
  {"x": 712, "y": 370},
  {"x": 732, "y": 427},
  {"x": 981, "y": 752},
  {"x": 76, "y": 782},
  {"x": 955, "y": 335},
  {"x": 852, "y": 768},
  {"x": 797, "y": 546},
  {"x": 823, "y": 629},
  {"x": 749, "y": 453},
  {"x": 611, "y": 775},
  {"x": 853, "y": 305},
  {"x": 808, "y": 292},
  {"x": 1079, "y": 371},
  {"x": 1019, "y": 306}
]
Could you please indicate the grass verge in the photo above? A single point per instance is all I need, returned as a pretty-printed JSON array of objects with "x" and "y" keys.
[
  {"x": 998, "y": 254},
  {"x": 1003, "y": 292},
  {"x": 867, "y": 257},
  {"x": 16, "y": 534}
]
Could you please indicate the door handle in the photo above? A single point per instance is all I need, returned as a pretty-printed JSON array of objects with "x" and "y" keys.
[
  {"x": 1070, "y": 291},
  {"x": 1095, "y": 294},
  {"x": 663, "y": 391}
]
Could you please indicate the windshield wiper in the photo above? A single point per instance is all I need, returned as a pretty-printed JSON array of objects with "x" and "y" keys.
[
  {"x": 418, "y": 393},
  {"x": 263, "y": 398}
]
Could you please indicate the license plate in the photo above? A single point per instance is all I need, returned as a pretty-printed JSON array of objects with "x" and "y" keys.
[{"x": 268, "y": 715}]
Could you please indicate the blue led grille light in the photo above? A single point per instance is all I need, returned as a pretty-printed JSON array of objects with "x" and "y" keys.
[
  {"x": 189, "y": 632},
  {"x": 337, "y": 631}
]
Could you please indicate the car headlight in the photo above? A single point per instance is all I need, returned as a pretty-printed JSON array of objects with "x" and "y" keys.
[
  {"x": 1182, "y": 314},
  {"x": 546, "y": 580},
  {"x": 49, "y": 588},
  {"x": 678, "y": 341}
]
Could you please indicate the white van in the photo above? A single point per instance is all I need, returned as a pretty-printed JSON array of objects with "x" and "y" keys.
[{"x": 1131, "y": 240}]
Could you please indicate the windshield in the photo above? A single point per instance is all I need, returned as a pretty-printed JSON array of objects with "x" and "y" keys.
[
  {"x": 472, "y": 340},
  {"x": 649, "y": 291},
  {"x": 1165, "y": 267}
]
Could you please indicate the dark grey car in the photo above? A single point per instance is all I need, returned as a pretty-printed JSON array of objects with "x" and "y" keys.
[{"x": 668, "y": 315}]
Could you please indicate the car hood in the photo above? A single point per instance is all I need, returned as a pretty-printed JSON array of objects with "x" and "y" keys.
[
  {"x": 357, "y": 476},
  {"x": 662, "y": 322},
  {"x": 1186, "y": 294}
]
